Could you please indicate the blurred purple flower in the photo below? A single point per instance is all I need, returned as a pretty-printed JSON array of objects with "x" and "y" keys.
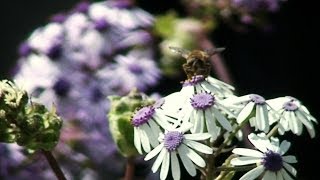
[{"x": 75, "y": 62}]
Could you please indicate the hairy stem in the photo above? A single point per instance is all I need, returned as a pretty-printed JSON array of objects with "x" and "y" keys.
[{"x": 53, "y": 164}]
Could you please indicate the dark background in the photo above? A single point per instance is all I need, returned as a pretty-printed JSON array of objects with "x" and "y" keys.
[{"x": 275, "y": 63}]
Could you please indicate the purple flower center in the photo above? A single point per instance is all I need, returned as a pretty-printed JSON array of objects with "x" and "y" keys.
[
  {"x": 142, "y": 116},
  {"x": 58, "y": 18},
  {"x": 62, "y": 87},
  {"x": 82, "y": 7},
  {"x": 272, "y": 161},
  {"x": 172, "y": 140},
  {"x": 101, "y": 24},
  {"x": 121, "y": 4},
  {"x": 24, "y": 49},
  {"x": 202, "y": 101},
  {"x": 135, "y": 68},
  {"x": 257, "y": 99},
  {"x": 194, "y": 80},
  {"x": 54, "y": 51},
  {"x": 290, "y": 106},
  {"x": 96, "y": 94}
]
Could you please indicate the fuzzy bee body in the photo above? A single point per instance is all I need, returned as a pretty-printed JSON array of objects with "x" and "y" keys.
[{"x": 197, "y": 61}]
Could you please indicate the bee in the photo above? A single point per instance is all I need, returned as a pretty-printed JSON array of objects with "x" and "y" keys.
[{"x": 197, "y": 61}]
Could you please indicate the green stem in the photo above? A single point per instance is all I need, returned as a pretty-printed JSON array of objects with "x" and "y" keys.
[
  {"x": 273, "y": 131},
  {"x": 230, "y": 137},
  {"x": 236, "y": 168},
  {"x": 210, "y": 170},
  {"x": 129, "y": 174},
  {"x": 54, "y": 165}
]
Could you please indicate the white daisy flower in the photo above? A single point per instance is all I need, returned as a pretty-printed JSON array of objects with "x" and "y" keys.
[
  {"x": 250, "y": 103},
  {"x": 269, "y": 159},
  {"x": 292, "y": 115},
  {"x": 175, "y": 142},
  {"x": 203, "y": 110},
  {"x": 146, "y": 122},
  {"x": 199, "y": 83}
]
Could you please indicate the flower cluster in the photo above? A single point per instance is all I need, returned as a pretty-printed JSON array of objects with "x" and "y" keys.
[
  {"x": 79, "y": 58},
  {"x": 191, "y": 123}
]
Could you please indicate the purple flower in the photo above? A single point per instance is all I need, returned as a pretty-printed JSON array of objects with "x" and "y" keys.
[{"x": 75, "y": 62}]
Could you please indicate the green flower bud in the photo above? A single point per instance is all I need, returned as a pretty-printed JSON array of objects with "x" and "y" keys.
[
  {"x": 40, "y": 128},
  {"x": 119, "y": 116},
  {"x": 12, "y": 98}
]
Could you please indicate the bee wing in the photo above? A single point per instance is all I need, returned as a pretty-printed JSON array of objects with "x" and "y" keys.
[
  {"x": 211, "y": 52},
  {"x": 183, "y": 52}
]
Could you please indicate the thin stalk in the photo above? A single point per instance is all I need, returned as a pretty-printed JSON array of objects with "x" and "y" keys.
[
  {"x": 273, "y": 131},
  {"x": 236, "y": 168},
  {"x": 230, "y": 137},
  {"x": 53, "y": 164},
  {"x": 129, "y": 174}
]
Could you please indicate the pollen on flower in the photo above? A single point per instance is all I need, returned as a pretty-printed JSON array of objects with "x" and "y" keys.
[
  {"x": 194, "y": 80},
  {"x": 272, "y": 161},
  {"x": 290, "y": 106},
  {"x": 172, "y": 140},
  {"x": 257, "y": 99},
  {"x": 142, "y": 116},
  {"x": 202, "y": 101}
]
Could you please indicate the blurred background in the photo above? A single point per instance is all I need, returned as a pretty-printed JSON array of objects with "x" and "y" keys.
[{"x": 276, "y": 60}]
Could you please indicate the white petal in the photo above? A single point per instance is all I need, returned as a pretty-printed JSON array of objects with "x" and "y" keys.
[
  {"x": 186, "y": 115},
  {"x": 198, "y": 122},
  {"x": 247, "y": 152},
  {"x": 211, "y": 126},
  {"x": 241, "y": 99},
  {"x": 260, "y": 143},
  {"x": 137, "y": 141},
  {"x": 185, "y": 126},
  {"x": 304, "y": 119},
  {"x": 269, "y": 176},
  {"x": 258, "y": 120},
  {"x": 304, "y": 111},
  {"x": 284, "y": 122},
  {"x": 165, "y": 166},
  {"x": 155, "y": 128},
  {"x": 292, "y": 122},
  {"x": 144, "y": 140},
  {"x": 154, "y": 152},
  {"x": 198, "y": 136},
  {"x": 152, "y": 139},
  {"x": 161, "y": 120},
  {"x": 290, "y": 168},
  {"x": 264, "y": 118},
  {"x": 159, "y": 159},
  {"x": 285, "y": 175},
  {"x": 253, "y": 174},
  {"x": 312, "y": 132},
  {"x": 297, "y": 123},
  {"x": 290, "y": 159},
  {"x": 222, "y": 120},
  {"x": 192, "y": 155},
  {"x": 187, "y": 163},
  {"x": 175, "y": 167},
  {"x": 245, "y": 112},
  {"x": 284, "y": 146},
  {"x": 279, "y": 175},
  {"x": 226, "y": 110},
  {"x": 239, "y": 161},
  {"x": 198, "y": 146}
]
